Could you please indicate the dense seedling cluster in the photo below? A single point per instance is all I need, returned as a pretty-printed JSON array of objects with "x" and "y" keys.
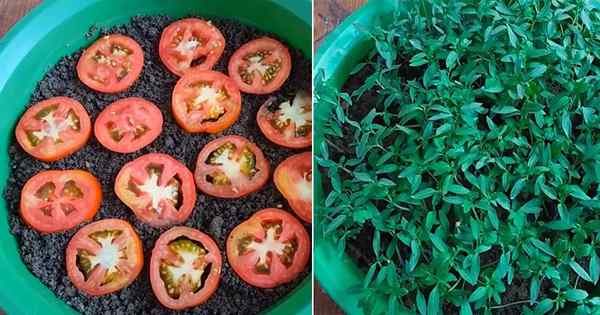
[{"x": 476, "y": 163}]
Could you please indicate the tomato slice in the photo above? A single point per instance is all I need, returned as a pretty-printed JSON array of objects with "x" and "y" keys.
[
  {"x": 293, "y": 178},
  {"x": 104, "y": 256},
  {"x": 157, "y": 188},
  {"x": 112, "y": 64},
  {"x": 185, "y": 268},
  {"x": 54, "y": 128},
  {"x": 231, "y": 167},
  {"x": 128, "y": 125},
  {"x": 260, "y": 66},
  {"x": 58, "y": 200},
  {"x": 206, "y": 101},
  {"x": 190, "y": 44},
  {"x": 288, "y": 124},
  {"x": 269, "y": 249}
]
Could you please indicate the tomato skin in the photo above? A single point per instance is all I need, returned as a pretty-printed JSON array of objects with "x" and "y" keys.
[
  {"x": 30, "y": 204},
  {"x": 232, "y": 106},
  {"x": 241, "y": 186},
  {"x": 46, "y": 150},
  {"x": 210, "y": 34},
  {"x": 88, "y": 67},
  {"x": 278, "y": 51},
  {"x": 244, "y": 264},
  {"x": 161, "y": 251},
  {"x": 290, "y": 179},
  {"x": 133, "y": 266},
  {"x": 136, "y": 171},
  {"x": 285, "y": 136},
  {"x": 135, "y": 109}
]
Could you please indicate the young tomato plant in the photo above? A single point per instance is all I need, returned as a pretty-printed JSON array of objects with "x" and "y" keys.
[{"x": 468, "y": 157}]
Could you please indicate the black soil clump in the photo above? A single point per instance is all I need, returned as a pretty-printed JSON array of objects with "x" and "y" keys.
[{"x": 44, "y": 254}]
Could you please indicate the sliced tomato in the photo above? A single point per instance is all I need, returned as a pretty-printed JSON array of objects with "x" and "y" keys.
[
  {"x": 128, "y": 125},
  {"x": 112, "y": 64},
  {"x": 293, "y": 178},
  {"x": 206, "y": 101},
  {"x": 190, "y": 44},
  {"x": 185, "y": 268},
  {"x": 231, "y": 167},
  {"x": 54, "y": 128},
  {"x": 260, "y": 66},
  {"x": 58, "y": 200},
  {"x": 157, "y": 188},
  {"x": 288, "y": 124},
  {"x": 269, "y": 249},
  {"x": 104, "y": 256}
]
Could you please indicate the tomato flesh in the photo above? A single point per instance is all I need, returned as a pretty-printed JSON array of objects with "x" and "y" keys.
[
  {"x": 55, "y": 201},
  {"x": 293, "y": 178},
  {"x": 157, "y": 188},
  {"x": 112, "y": 64},
  {"x": 185, "y": 268},
  {"x": 104, "y": 256},
  {"x": 53, "y": 129},
  {"x": 288, "y": 124},
  {"x": 128, "y": 125},
  {"x": 206, "y": 101},
  {"x": 190, "y": 44},
  {"x": 231, "y": 167},
  {"x": 260, "y": 66},
  {"x": 269, "y": 249}
]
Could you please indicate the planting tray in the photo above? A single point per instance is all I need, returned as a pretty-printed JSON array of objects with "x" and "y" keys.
[
  {"x": 342, "y": 49},
  {"x": 57, "y": 28}
]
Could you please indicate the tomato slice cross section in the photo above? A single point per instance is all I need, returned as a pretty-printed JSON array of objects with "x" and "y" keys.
[
  {"x": 54, "y": 128},
  {"x": 293, "y": 178},
  {"x": 190, "y": 44},
  {"x": 104, "y": 256},
  {"x": 288, "y": 124},
  {"x": 206, "y": 101},
  {"x": 112, "y": 64},
  {"x": 260, "y": 66},
  {"x": 58, "y": 200},
  {"x": 269, "y": 249},
  {"x": 157, "y": 188},
  {"x": 128, "y": 125},
  {"x": 231, "y": 167},
  {"x": 185, "y": 268}
]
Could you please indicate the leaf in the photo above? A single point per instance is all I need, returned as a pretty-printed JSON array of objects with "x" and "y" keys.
[
  {"x": 451, "y": 60},
  {"x": 544, "y": 306},
  {"x": 369, "y": 276},
  {"x": 504, "y": 109},
  {"x": 465, "y": 309},
  {"x": 543, "y": 246},
  {"x": 438, "y": 243},
  {"x": 580, "y": 271},
  {"x": 493, "y": 85},
  {"x": 415, "y": 254},
  {"x": 575, "y": 295},
  {"x": 594, "y": 267},
  {"x": 421, "y": 303},
  {"x": 418, "y": 60},
  {"x": 458, "y": 189},
  {"x": 511, "y": 36},
  {"x": 531, "y": 207},
  {"x": 478, "y": 294},
  {"x": 433, "y": 303},
  {"x": 578, "y": 193},
  {"x": 518, "y": 186},
  {"x": 537, "y": 71},
  {"x": 364, "y": 177},
  {"x": 565, "y": 122},
  {"x": 335, "y": 223},
  {"x": 376, "y": 242},
  {"x": 493, "y": 217},
  {"x": 425, "y": 193},
  {"x": 534, "y": 289}
]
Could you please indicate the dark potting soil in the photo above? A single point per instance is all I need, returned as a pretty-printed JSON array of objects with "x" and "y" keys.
[{"x": 44, "y": 254}]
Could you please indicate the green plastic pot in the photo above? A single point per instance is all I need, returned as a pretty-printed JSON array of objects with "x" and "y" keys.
[
  {"x": 55, "y": 29},
  {"x": 339, "y": 53}
]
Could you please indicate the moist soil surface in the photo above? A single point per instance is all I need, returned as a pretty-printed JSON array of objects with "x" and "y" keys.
[{"x": 44, "y": 254}]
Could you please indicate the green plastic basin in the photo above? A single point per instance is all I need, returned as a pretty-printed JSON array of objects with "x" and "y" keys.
[
  {"x": 341, "y": 50},
  {"x": 55, "y": 29}
]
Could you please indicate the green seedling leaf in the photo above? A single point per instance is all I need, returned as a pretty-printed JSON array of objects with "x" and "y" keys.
[
  {"x": 580, "y": 271},
  {"x": 575, "y": 295}
]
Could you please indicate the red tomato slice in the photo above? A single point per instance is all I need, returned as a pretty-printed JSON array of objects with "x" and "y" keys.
[
  {"x": 288, "y": 124},
  {"x": 185, "y": 268},
  {"x": 54, "y": 128},
  {"x": 55, "y": 201},
  {"x": 104, "y": 256},
  {"x": 293, "y": 178},
  {"x": 112, "y": 64},
  {"x": 260, "y": 66},
  {"x": 206, "y": 101},
  {"x": 231, "y": 167},
  {"x": 269, "y": 249},
  {"x": 128, "y": 125},
  {"x": 190, "y": 44},
  {"x": 157, "y": 188}
]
